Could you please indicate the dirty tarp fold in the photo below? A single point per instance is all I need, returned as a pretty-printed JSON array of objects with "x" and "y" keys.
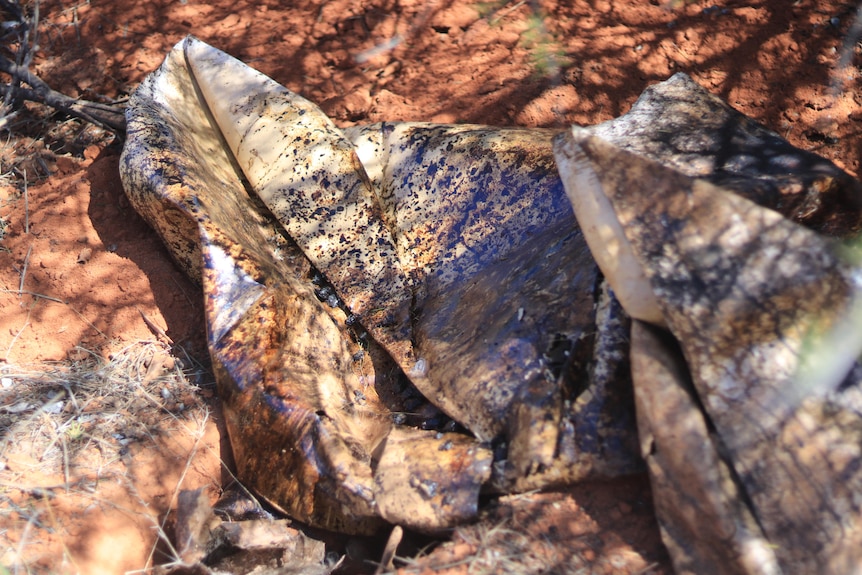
[
  {"x": 750, "y": 296},
  {"x": 454, "y": 246},
  {"x": 302, "y": 409},
  {"x": 458, "y": 251}
]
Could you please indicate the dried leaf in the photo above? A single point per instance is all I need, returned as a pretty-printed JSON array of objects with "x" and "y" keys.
[{"x": 195, "y": 523}]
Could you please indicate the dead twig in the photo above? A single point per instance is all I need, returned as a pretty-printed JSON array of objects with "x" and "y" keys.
[
  {"x": 26, "y": 207},
  {"x": 109, "y": 116},
  {"x": 161, "y": 527},
  {"x": 42, "y": 491},
  {"x": 35, "y": 295},
  {"x": 24, "y": 270},
  {"x": 25, "y": 536},
  {"x": 388, "y": 556},
  {"x": 157, "y": 331}
]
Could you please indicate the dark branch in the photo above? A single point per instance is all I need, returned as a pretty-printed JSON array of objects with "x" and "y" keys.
[{"x": 108, "y": 116}]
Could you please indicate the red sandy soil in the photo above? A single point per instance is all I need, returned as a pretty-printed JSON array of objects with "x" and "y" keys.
[{"x": 73, "y": 237}]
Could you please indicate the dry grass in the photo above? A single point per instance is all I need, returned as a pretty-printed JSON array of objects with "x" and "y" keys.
[
  {"x": 61, "y": 410},
  {"x": 501, "y": 548},
  {"x": 67, "y": 428},
  {"x": 494, "y": 546}
]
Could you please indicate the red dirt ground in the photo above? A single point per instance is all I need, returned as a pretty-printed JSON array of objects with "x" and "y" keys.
[{"x": 74, "y": 238}]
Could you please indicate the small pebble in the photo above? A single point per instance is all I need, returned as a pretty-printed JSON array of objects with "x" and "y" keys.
[
  {"x": 84, "y": 255},
  {"x": 53, "y": 408}
]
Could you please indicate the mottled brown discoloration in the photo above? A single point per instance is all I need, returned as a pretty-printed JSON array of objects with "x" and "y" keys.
[
  {"x": 480, "y": 231},
  {"x": 461, "y": 202},
  {"x": 705, "y": 522},
  {"x": 682, "y": 126},
  {"x": 304, "y": 416},
  {"x": 249, "y": 291},
  {"x": 595, "y": 436},
  {"x": 744, "y": 290},
  {"x": 306, "y": 172},
  {"x": 432, "y": 476},
  {"x": 482, "y": 224},
  {"x": 457, "y": 249}
]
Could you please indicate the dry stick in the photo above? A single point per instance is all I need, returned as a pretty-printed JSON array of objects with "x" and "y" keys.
[
  {"x": 7, "y": 119},
  {"x": 41, "y": 411},
  {"x": 386, "y": 559},
  {"x": 88, "y": 322},
  {"x": 45, "y": 169},
  {"x": 57, "y": 300},
  {"x": 54, "y": 299},
  {"x": 61, "y": 435},
  {"x": 13, "y": 8},
  {"x": 161, "y": 527},
  {"x": 42, "y": 491},
  {"x": 72, "y": 398},
  {"x": 34, "y": 294},
  {"x": 26, "y": 205},
  {"x": 24, "y": 271},
  {"x": 499, "y": 15},
  {"x": 183, "y": 291},
  {"x": 159, "y": 332},
  {"x": 20, "y": 551},
  {"x": 75, "y": 22},
  {"x": 65, "y": 459},
  {"x": 106, "y": 115},
  {"x": 32, "y": 26}
]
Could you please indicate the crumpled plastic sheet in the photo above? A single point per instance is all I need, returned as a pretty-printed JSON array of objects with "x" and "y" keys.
[{"x": 402, "y": 316}]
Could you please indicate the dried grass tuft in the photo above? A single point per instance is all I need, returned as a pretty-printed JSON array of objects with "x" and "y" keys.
[
  {"x": 56, "y": 407},
  {"x": 496, "y": 546},
  {"x": 64, "y": 426}
]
